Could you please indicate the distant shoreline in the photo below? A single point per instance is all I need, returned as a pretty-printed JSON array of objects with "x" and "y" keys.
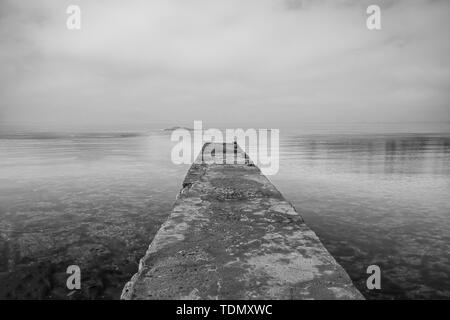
[{"x": 176, "y": 128}]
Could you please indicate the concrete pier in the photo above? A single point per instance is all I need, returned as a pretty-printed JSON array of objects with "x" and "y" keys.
[{"x": 232, "y": 235}]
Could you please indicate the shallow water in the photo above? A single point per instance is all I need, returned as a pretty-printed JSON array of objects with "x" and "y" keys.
[
  {"x": 94, "y": 201},
  {"x": 97, "y": 200},
  {"x": 376, "y": 199}
]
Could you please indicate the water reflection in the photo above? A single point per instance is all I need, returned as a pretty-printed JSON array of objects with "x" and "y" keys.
[
  {"x": 94, "y": 201},
  {"x": 97, "y": 201},
  {"x": 376, "y": 199},
  {"x": 379, "y": 154}
]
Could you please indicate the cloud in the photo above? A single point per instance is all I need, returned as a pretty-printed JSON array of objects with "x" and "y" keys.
[{"x": 266, "y": 63}]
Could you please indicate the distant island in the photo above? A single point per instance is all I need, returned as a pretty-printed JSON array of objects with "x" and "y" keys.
[{"x": 175, "y": 128}]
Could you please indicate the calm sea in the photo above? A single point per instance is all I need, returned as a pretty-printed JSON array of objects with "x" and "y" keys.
[{"x": 97, "y": 200}]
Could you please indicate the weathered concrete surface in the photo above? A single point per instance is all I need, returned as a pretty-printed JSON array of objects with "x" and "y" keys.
[{"x": 232, "y": 235}]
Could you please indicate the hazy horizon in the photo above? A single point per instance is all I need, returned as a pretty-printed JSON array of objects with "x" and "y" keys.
[{"x": 36, "y": 130}]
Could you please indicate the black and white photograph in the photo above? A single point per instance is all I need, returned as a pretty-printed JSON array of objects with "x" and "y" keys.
[{"x": 238, "y": 151}]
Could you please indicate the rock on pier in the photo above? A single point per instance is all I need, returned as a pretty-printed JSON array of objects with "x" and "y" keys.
[{"x": 232, "y": 235}]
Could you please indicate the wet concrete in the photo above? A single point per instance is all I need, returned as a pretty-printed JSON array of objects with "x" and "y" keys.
[{"x": 232, "y": 235}]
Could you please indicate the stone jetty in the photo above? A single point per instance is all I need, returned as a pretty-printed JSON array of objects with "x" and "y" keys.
[{"x": 232, "y": 235}]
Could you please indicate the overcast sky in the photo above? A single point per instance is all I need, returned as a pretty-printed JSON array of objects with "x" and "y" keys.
[{"x": 255, "y": 63}]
